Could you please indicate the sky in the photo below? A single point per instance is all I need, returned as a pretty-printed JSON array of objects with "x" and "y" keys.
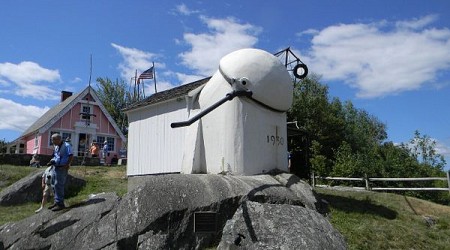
[{"x": 390, "y": 58}]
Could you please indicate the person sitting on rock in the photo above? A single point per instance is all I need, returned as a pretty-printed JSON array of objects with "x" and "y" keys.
[{"x": 34, "y": 162}]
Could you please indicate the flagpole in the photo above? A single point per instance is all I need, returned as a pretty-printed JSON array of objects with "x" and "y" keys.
[
  {"x": 138, "y": 91},
  {"x": 154, "y": 76},
  {"x": 134, "y": 89},
  {"x": 143, "y": 90}
]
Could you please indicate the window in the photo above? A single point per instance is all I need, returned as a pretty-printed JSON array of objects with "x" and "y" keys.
[
  {"x": 110, "y": 140},
  {"x": 110, "y": 143},
  {"x": 100, "y": 140},
  {"x": 66, "y": 136},
  {"x": 50, "y": 137},
  {"x": 86, "y": 111},
  {"x": 36, "y": 141}
]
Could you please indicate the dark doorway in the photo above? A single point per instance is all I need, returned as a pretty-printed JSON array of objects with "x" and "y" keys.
[{"x": 82, "y": 144}]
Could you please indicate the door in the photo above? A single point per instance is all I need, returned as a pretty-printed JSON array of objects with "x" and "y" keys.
[{"x": 82, "y": 144}]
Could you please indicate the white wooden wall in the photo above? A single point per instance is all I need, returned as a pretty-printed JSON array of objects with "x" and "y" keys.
[{"x": 153, "y": 146}]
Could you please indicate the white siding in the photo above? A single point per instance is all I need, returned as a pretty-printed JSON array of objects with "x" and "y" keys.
[{"x": 153, "y": 146}]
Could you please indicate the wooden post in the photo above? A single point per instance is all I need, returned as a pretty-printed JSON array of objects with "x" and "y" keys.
[
  {"x": 367, "y": 182},
  {"x": 448, "y": 180},
  {"x": 314, "y": 179}
]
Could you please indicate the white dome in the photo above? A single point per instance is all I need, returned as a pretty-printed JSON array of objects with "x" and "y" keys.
[{"x": 267, "y": 78}]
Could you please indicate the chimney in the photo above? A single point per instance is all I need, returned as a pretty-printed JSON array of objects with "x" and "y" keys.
[{"x": 65, "y": 95}]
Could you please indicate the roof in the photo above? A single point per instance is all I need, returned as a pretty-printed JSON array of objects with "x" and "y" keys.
[
  {"x": 51, "y": 113},
  {"x": 55, "y": 113},
  {"x": 169, "y": 94}
]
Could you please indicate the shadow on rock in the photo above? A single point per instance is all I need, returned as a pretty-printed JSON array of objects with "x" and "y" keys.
[{"x": 88, "y": 202}]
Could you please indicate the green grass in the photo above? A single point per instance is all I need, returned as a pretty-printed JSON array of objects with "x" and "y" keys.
[
  {"x": 10, "y": 174},
  {"x": 370, "y": 220},
  {"x": 367, "y": 220},
  {"x": 98, "y": 180}
]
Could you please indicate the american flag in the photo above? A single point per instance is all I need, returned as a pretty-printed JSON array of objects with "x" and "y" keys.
[{"x": 148, "y": 74}]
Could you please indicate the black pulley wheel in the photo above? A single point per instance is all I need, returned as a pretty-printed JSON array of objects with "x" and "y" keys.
[{"x": 300, "y": 66}]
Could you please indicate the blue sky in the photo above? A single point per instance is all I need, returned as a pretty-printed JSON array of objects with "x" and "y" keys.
[{"x": 390, "y": 58}]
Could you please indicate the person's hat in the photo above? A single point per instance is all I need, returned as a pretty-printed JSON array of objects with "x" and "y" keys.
[{"x": 105, "y": 142}]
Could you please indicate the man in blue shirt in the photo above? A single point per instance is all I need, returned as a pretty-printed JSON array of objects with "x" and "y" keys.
[{"x": 62, "y": 157}]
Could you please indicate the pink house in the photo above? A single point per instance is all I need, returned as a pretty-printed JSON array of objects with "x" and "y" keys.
[{"x": 80, "y": 118}]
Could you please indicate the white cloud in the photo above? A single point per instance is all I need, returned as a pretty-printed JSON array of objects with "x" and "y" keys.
[
  {"x": 442, "y": 149},
  {"x": 382, "y": 58},
  {"x": 28, "y": 72},
  {"x": 224, "y": 36},
  {"x": 308, "y": 32},
  {"x": 184, "y": 78},
  {"x": 76, "y": 80},
  {"x": 160, "y": 86},
  {"x": 134, "y": 59},
  {"x": 163, "y": 85},
  {"x": 18, "y": 117},
  {"x": 38, "y": 92},
  {"x": 29, "y": 78},
  {"x": 184, "y": 10},
  {"x": 417, "y": 23}
]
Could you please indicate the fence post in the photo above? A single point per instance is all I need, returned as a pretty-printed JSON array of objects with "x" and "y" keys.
[
  {"x": 448, "y": 180},
  {"x": 314, "y": 179},
  {"x": 367, "y": 182}
]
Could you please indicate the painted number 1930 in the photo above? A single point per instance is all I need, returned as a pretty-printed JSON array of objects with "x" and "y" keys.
[{"x": 275, "y": 140}]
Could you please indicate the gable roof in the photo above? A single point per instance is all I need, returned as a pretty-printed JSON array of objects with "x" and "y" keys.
[
  {"x": 169, "y": 94},
  {"x": 54, "y": 114},
  {"x": 51, "y": 113}
]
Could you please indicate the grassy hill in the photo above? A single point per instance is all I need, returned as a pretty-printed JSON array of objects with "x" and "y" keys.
[
  {"x": 98, "y": 179},
  {"x": 368, "y": 220},
  {"x": 371, "y": 220}
]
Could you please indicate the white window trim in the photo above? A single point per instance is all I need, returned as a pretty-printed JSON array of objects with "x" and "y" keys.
[
  {"x": 36, "y": 141},
  {"x": 91, "y": 111},
  {"x": 106, "y": 137}
]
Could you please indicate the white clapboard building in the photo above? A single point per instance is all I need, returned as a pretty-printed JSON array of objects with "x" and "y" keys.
[
  {"x": 153, "y": 146},
  {"x": 233, "y": 122}
]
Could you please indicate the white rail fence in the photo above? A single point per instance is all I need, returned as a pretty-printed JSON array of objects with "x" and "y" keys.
[{"x": 368, "y": 180}]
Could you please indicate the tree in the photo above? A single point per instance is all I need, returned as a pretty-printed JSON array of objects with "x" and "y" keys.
[
  {"x": 347, "y": 163},
  {"x": 319, "y": 120},
  {"x": 423, "y": 148},
  {"x": 362, "y": 130},
  {"x": 115, "y": 97},
  {"x": 341, "y": 140},
  {"x": 3, "y": 147},
  {"x": 395, "y": 161},
  {"x": 429, "y": 163},
  {"x": 330, "y": 124},
  {"x": 318, "y": 161}
]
